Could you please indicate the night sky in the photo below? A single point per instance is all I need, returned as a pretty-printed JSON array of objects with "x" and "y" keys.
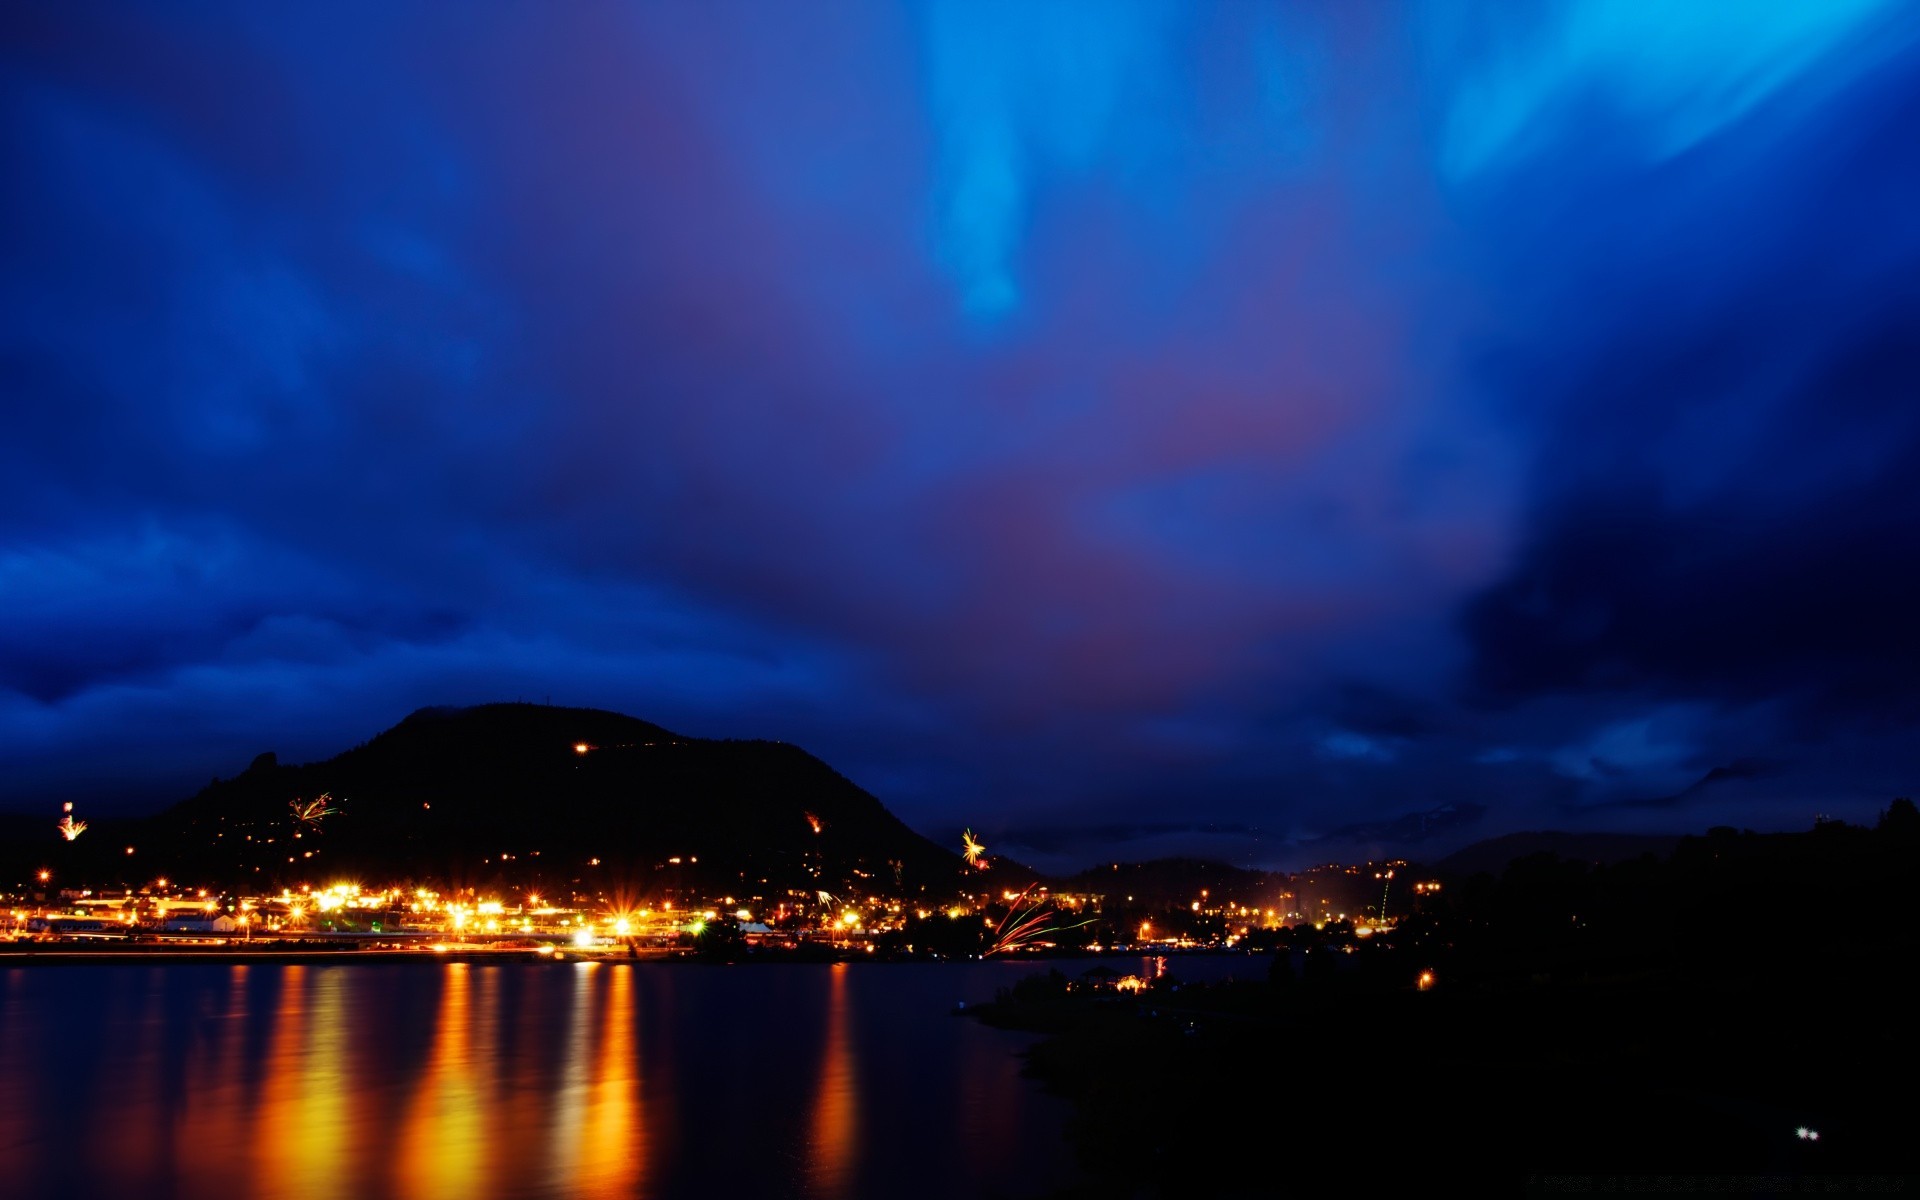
[{"x": 1126, "y": 430}]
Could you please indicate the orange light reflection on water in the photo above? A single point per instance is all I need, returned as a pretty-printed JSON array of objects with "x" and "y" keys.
[
  {"x": 834, "y": 1145},
  {"x": 301, "y": 1120},
  {"x": 443, "y": 1148},
  {"x": 599, "y": 1140},
  {"x": 613, "y": 1154}
]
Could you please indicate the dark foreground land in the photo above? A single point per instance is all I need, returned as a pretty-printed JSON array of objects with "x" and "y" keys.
[{"x": 1680, "y": 1026}]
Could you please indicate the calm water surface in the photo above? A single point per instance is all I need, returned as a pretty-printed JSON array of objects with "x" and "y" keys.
[{"x": 521, "y": 1079}]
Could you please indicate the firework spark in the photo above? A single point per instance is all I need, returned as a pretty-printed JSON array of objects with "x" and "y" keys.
[
  {"x": 1027, "y": 922},
  {"x": 70, "y": 828},
  {"x": 307, "y": 814},
  {"x": 972, "y": 850}
]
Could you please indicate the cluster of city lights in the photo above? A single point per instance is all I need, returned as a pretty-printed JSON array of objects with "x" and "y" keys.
[{"x": 1013, "y": 919}]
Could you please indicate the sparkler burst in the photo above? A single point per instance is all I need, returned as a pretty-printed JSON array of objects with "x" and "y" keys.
[
  {"x": 1026, "y": 922},
  {"x": 68, "y": 827},
  {"x": 307, "y": 814},
  {"x": 972, "y": 850}
]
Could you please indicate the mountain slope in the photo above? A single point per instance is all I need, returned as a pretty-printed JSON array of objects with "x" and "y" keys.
[{"x": 503, "y": 794}]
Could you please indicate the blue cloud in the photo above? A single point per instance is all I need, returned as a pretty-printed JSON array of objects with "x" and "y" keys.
[
  {"x": 1670, "y": 75},
  {"x": 1020, "y": 95},
  {"x": 1051, "y": 414},
  {"x": 1346, "y": 744}
]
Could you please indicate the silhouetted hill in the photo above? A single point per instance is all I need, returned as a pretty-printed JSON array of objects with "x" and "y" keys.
[
  {"x": 1167, "y": 883},
  {"x": 1493, "y": 854},
  {"x": 500, "y": 793}
]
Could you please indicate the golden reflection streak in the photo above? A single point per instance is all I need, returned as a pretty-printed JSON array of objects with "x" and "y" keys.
[
  {"x": 276, "y": 1129},
  {"x": 613, "y": 1157},
  {"x": 443, "y": 1147},
  {"x": 570, "y": 1108},
  {"x": 319, "y": 1154},
  {"x": 301, "y": 1136},
  {"x": 836, "y": 1106}
]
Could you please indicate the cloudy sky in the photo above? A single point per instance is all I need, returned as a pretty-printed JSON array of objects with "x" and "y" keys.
[{"x": 1236, "y": 428}]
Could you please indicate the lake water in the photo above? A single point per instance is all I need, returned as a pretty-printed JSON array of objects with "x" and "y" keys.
[{"x": 477, "y": 1080}]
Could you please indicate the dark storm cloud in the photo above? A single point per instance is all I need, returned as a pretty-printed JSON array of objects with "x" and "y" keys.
[
  {"x": 1125, "y": 418},
  {"x": 1746, "y": 768},
  {"x": 1724, "y": 578},
  {"x": 1722, "y": 505}
]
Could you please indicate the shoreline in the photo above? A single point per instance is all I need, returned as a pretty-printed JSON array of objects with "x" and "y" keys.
[
  {"x": 204, "y": 956},
  {"x": 55, "y": 954}
]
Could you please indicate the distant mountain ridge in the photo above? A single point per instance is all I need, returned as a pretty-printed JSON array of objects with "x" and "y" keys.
[
  {"x": 1493, "y": 854},
  {"x": 1178, "y": 882}
]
